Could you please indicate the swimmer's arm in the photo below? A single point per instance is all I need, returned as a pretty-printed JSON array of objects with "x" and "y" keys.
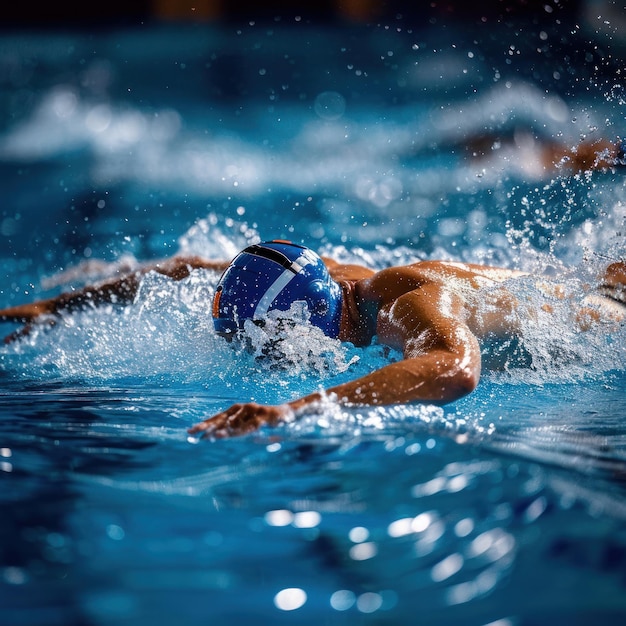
[
  {"x": 441, "y": 355},
  {"x": 441, "y": 364},
  {"x": 180, "y": 267},
  {"x": 118, "y": 290},
  {"x": 598, "y": 154}
]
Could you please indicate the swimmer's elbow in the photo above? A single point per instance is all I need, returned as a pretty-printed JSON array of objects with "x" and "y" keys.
[
  {"x": 458, "y": 388},
  {"x": 462, "y": 382},
  {"x": 468, "y": 380}
]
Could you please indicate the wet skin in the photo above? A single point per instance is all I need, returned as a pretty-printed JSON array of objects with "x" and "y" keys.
[{"x": 435, "y": 313}]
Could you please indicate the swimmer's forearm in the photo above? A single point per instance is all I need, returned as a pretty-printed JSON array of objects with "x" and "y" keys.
[
  {"x": 437, "y": 377},
  {"x": 123, "y": 290},
  {"x": 25, "y": 312},
  {"x": 116, "y": 291},
  {"x": 120, "y": 291},
  {"x": 597, "y": 154},
  {"x": 180, "y": 267}
]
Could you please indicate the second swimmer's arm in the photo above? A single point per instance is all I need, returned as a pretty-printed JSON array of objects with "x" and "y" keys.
[{"x": 599, "y": 154}]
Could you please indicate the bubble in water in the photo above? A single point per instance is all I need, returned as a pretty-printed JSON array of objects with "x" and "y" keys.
[{"x": 330, "y": 105}]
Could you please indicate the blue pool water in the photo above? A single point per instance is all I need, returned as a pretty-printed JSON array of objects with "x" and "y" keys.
[{"x": 507, "y": 507}]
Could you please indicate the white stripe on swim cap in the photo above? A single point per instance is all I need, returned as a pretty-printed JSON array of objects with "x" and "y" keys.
[{"x": 278, "y": 285}]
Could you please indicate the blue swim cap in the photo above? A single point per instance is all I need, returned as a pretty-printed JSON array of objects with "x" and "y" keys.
[{"x": 272, "y": 276}]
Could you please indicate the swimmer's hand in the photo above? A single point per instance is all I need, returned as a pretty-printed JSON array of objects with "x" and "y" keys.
[{"x": 240, "y": 419}]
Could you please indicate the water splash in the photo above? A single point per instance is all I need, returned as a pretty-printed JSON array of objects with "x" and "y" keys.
[
  {"x": 553, "y": 341},
  {"x": 286, "y": 341},
  {"x": 167, "y": 333},
  {"x": 215, "y": 237}
]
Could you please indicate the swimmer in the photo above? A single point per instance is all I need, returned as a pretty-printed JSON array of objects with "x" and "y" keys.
[
  {"x": 433, "y": 312},
  {"x": 543, "y": 156}
]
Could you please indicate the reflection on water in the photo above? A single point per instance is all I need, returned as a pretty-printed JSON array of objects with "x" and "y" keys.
[{"x": 375, "y": 518}]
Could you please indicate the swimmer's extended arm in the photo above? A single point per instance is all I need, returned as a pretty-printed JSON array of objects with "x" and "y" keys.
[
  {"x": 598, "y": 154},
  {"x": 441, "y": 364},
  {"x": 118, "y": 290},
  {"x": 123, "y": 290}
]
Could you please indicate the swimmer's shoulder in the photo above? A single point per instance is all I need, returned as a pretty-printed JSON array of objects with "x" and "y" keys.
[
  {"x": 420, "y": 272},
  {"x": 347, "y": 272},
  {"x": 470, "y": 270},
  {"x": 428, "y": 272}
]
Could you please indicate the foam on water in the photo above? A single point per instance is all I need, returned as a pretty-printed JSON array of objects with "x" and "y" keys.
[
  {"x": 553, "y": 343},
  {"x": 167, "y": 334},
  {"x": 168, "y": 331}
]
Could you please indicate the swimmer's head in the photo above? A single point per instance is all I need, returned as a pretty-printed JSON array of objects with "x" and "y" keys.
[{"x": 271, "y": 276}]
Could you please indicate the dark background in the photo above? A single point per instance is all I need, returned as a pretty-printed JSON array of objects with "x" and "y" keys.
[{"x": 63, "y": 13}]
